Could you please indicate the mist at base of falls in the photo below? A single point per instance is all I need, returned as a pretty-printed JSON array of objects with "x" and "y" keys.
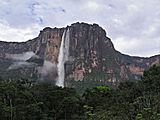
[{"x": 62, "y": 58}]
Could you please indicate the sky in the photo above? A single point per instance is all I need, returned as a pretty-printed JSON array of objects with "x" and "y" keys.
[{"x": 132, "y": 25}]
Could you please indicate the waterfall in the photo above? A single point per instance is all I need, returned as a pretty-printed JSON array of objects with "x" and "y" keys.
[{"x": 62, "y": 58}]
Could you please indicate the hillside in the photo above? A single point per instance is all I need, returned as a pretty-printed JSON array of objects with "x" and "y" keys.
[{"x": 92, "y": 57}]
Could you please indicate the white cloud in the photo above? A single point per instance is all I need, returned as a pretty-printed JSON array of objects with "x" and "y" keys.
[
  {"x": 22, "y": 57},
  {"x": 138, "y": 46},
  {"x": 8, "y": 33},
  {"x": 137, "y": 22}
]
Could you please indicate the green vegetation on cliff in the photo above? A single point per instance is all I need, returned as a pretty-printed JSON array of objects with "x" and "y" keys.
[{"x": 29, "y": 100}]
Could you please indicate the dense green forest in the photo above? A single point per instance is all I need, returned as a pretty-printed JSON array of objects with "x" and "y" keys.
[{"x": 29, "y": 100}]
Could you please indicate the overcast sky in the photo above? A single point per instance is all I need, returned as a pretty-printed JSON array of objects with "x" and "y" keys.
[{"x": 133, "y": 25}]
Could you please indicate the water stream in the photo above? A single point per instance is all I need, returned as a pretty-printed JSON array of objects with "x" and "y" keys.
[{"x": 62, "y": 58}]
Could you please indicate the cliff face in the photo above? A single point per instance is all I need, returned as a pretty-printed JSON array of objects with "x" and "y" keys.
[{"x": 91, "y": 54}]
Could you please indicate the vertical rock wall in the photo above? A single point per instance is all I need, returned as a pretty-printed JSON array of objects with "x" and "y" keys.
[{"x": 90, "y": 52}]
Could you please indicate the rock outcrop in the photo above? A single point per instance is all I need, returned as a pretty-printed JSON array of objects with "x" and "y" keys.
[{"x": 91, "y": 54}]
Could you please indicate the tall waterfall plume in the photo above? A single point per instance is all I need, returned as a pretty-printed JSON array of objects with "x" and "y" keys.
[{"x": 62, "y": 58}]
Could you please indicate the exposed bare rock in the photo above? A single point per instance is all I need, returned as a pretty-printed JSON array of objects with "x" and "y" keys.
[{"x": 90, "y": 51}]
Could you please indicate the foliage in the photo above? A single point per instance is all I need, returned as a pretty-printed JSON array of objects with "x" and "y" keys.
[
  {"x": 26, "y": 100},
  {"x": 29, "y": 100}
]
